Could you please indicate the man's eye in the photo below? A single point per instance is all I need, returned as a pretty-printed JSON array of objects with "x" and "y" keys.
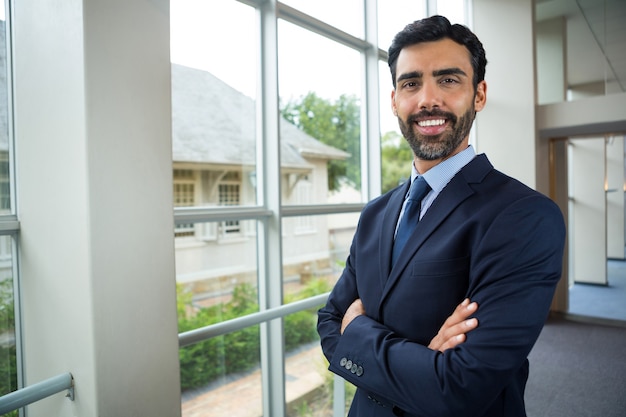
[{"x": 448, "y": 81}]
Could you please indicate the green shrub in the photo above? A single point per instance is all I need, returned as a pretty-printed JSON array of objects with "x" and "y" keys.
[
  {"x": 204, "y": 362},
  {"x": 8, "y": 354}
]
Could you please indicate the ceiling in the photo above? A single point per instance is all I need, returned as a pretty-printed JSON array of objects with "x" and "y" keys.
[{"x": 596, "y": 37}]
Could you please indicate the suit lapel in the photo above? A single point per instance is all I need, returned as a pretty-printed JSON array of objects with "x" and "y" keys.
[
  {"x": 390, "y": 220},
  {"x": 457, "y": 190}
]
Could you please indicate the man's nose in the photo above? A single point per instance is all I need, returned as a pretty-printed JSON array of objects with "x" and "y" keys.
[{"x": 429, "y": 96}]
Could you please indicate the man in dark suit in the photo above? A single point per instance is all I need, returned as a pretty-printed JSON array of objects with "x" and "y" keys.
[{"x": 480, "y": 235}]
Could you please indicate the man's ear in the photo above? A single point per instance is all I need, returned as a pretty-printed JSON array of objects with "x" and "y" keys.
[
  {"x": 393, "y": 103},
  {"x": 480, "y": 98}
]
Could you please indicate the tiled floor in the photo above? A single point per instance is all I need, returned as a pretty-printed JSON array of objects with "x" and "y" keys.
[{"x": 598, "y": 301}]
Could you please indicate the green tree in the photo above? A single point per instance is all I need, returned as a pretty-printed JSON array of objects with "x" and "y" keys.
[
  {"x": 338, "y": 124},
  {"x": 335, "y": 123},
  {"x": 396, "y": 155}
]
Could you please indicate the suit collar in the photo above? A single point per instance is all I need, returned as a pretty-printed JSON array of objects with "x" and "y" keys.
[
  {"x": 477, "y": 169},
  {"x": 390, "y": 219}
]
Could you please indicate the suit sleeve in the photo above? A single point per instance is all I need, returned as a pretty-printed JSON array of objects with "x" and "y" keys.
[
  {"x": 330, "y": 316},
  {"x": 515, "y": 266}
]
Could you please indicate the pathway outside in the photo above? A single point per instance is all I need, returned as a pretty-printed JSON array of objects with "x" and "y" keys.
[{"x": 306, "y": 375}]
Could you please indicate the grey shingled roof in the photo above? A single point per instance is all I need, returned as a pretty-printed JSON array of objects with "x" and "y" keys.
[{"x": 214, "y": 123}]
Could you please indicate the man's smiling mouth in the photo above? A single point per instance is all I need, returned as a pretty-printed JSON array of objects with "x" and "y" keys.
[{"x": 433, "y": 122}]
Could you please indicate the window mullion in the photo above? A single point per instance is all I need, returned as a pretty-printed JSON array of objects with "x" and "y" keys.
[{"x": 270, "y": 233}]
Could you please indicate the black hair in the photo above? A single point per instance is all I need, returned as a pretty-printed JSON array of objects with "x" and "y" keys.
[{"x": 435, "y": 28}]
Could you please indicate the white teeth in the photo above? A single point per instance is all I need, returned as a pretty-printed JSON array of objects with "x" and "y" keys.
[{"x": 426, "y": 123}]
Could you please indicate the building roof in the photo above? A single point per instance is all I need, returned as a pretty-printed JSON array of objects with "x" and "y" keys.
[
  {"x": 212, "y": 123},
  {"x": 215, "y": 124}
]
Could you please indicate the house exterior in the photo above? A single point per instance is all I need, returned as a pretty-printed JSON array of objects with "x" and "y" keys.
[
  {"x": 214, "y": 162},
  {"x": 214, "y": 158}
]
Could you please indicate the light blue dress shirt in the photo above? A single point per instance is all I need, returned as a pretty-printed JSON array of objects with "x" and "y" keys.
[{"x": 439, "y": 176}]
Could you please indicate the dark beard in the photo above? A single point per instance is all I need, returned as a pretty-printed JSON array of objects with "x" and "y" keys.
[{"x": 430, "y": 148}]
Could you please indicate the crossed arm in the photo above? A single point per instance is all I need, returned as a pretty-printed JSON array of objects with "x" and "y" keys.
[
  {"x": 514, "y": 270},
  {"x": 452, "y": 332}
]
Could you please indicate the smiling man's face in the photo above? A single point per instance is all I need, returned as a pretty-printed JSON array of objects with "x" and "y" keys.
[{"x": 435, "y": 100}]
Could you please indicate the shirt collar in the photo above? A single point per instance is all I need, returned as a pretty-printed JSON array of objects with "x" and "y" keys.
[{"x": 441, "y": 174}]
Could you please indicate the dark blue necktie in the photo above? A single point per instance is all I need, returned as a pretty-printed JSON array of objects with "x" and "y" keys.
[{"x": 411, "y": 215}]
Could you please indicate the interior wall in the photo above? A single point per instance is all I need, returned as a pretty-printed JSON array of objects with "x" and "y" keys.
[
  {"x": 593, "y": 115},
  {"x": 505, "y": 129},
  {"x": 94, "y": 174},
  {"x": 596, "y": 115},
  {"x": 550, "y": 43},
  {"x": 52, "y": 204}
]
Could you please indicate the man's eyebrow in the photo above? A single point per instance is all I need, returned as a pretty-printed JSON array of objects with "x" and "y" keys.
[
  {"x": 410, "y": 75},
  {"x": 449, "y": 71},
  {"x": 436, "y": 73}
]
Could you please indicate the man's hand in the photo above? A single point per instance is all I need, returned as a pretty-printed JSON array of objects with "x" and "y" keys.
[
  {"x": 453, "y": 332},
  {"x": 356, "y": 309}
]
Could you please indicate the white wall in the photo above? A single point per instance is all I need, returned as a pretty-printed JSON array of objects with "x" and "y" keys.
[
  {"x": 577, "y": 116},
  {"x": 92, "y": 125},
  {"x": 595, "y": 115},
  {"x": 505, "y": 129},
  {"x": 551, "y": 45}
]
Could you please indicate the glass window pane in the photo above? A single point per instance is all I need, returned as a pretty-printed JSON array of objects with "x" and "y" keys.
[
  {"x": 222, "y": 376},
  {"x": 312, "y": 264},
  {"x": 5, "y": 180},
  {"x": 309, "y": 385},
  {"x": 393, "y": 15},
  {"x": 454, "y": 10},
  {"x": 8, "y": 357},
  {"x": 213, "y": 103},
  {"x": 396, "y": 154},
  {"x": 315, "y": 249},
  {"x": 8, "y": 342},
  {"x": 346, "y": 15},
  {"x": 388, "y": 122},
  {"x": 320, "y": 124},
  {"x": 216, "y": 276},
  {"x": 214, "y": 259}
]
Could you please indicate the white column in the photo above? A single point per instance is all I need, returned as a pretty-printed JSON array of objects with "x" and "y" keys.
[
  {"x": 505, "y": 129},
  {"x": 615, "y": 196},
  {"x": 587, "y": 225},
  {"x": 92, "y": 123}
]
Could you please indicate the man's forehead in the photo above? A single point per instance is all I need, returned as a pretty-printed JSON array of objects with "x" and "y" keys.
[{"x": 427, "y": 57}]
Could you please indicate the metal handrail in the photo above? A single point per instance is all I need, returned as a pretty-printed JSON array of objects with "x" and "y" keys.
[
  {"x": 33, "y": 393},
  {"x": 203, "y": 333}
]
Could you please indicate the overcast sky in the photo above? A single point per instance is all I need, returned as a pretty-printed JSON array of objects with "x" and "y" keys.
[{"x": 204, "y": 39}]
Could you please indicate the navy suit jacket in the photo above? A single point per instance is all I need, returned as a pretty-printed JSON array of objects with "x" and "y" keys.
[{"x": 487, "y": 237}]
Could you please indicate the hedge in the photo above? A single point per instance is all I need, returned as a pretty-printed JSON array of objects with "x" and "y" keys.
[{"x": 206, "y": 361}]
